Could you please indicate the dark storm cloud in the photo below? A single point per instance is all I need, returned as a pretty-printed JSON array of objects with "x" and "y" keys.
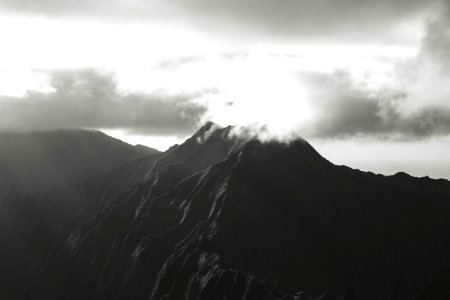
[
  {"x": 362, "y": 19},
  {"x": 345, "y": 110},
  {"x": 91, "y": 99}
]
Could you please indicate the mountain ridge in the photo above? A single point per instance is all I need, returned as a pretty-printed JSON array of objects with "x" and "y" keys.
[
  {"x": 62, "y": 156},
  {"x": 222, "y": 217}
]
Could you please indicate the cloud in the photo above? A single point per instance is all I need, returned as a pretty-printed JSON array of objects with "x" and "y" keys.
[
  {"x": 179, "y": 62},
  {"x": 411, "y": 104},
  {"x": 90, "y": 98},
  {"x": 330, "y": 18},
  {"x": 258, "y": 88},
  {"x": 344, "y": 108},
  {"x": 117, "y": 10},
  {"x": 348, "y": 19},
  {"x": 436, "y": 42},
  {"x": 341, "y": 107}
]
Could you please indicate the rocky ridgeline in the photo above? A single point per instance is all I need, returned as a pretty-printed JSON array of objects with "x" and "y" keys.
[{"x": 222, "y": 217}]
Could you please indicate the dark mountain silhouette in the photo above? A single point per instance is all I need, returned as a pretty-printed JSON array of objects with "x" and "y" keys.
[
  {"x": 222, "y": 217},
  {"x": 42, "y": 161}
]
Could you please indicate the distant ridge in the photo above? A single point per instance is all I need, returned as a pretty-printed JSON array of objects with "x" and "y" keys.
[{"x": 42, "y": 161}]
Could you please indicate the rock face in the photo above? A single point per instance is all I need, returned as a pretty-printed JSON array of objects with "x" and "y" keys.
[
  {"x": 219, "y": 217},
  {"x": 43, "y": 161}
]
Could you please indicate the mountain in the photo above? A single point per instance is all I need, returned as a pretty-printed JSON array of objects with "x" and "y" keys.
[
  {"x": 43, "y": 161},
  {"x": 224, "y": 217}
]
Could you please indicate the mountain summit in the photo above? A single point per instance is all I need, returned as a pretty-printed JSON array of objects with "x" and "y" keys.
[{"x": 222, "y": 217}]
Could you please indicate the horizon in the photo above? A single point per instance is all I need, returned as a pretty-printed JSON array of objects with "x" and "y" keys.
[{"x": 326, "y": 149}]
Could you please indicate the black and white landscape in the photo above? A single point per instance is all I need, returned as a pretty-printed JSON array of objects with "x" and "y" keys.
[
  {"x": 223, "y": 217},
  {"x": 224, "y": 149}
]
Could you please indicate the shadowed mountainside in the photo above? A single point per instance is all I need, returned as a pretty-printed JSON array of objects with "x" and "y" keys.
[
  {"x": 220, "y": 217},
  {"x": 43, "y": 161}
]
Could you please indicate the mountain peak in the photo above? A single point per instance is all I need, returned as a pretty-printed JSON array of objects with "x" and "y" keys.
[
  {"x": 210, "y": 129},
  {"x": 231, "y": 216},
  {"x": 247, "y": 138}
]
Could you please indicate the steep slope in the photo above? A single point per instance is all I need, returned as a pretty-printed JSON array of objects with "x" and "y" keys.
[
  {"x": 42, "y": 161},
  {"x": 220, "y": 217}
]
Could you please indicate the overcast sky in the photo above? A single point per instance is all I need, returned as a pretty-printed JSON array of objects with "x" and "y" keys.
[{"x": 366, "y": 82}]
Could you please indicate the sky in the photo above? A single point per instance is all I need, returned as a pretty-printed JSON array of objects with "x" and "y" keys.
[{"x": 367, "y": 83}]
